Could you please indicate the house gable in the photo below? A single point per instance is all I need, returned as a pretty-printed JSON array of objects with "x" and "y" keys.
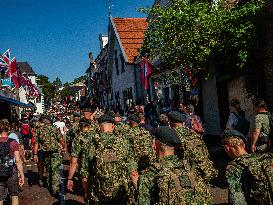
[{"x": 130, "y": 34}]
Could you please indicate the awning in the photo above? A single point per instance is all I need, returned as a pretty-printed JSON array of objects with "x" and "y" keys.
[{"x": 16, "y": 102}]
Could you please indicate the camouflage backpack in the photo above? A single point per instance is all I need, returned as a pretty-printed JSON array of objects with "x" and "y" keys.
[
  {"x": 110, "y": 173},
  {"x": 48, "y": 138},
  {"x": 141, "y": 143},
  {"x": 196, "y": 153},
  {"x": 258, "y": 175},
  {"x": 176, "y": 187}
]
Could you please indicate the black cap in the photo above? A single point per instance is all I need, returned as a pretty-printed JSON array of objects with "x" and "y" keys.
[
  {"x": 134, "y": 118},
  {"x": 106, "y": 118},
  {"x": 46, "y": 117},
  {"x": 167, "y": 136},
  {"x": 175, "y": 116},
  {"x": 85, "y": 122},
  {"x": 88, "y": 109},
  {"x": 112, "y": 114},
  {"x": 76, "y": 115},
  {"x": 234, "y": 133}
]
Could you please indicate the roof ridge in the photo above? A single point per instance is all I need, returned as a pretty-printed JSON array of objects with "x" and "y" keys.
[{"x": 127, "y": 18}]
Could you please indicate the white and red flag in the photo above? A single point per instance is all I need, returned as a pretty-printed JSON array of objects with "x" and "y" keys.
[
  {"x": 5, "y": 61},
  {"x": 14, "y": 73},
  {"x": 146, "y": 67}
]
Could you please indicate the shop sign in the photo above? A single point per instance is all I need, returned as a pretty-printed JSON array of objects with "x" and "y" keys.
[{"x": 6, "y": 82}]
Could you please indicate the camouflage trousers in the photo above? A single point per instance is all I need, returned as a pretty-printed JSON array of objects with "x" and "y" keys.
[{"x": 53, "y": 162}]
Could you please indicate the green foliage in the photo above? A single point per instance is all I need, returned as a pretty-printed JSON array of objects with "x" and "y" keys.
[
  {"x": 197, "y": 32},
  {"x": 42, "y": 80},
  {"x": 48, "y": 88},
  {"x": 79, "y": 79},
  {"x": 57, "y": 82},
  {"x": 67, "y": 91}
]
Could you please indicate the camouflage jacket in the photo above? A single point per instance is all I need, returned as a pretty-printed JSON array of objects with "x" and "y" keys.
[
  {"x": 110, "y": 164},
  {"x": 141, "y": 144},
  {"x": 72, "y": 131},
  {"x": 196, "y": 153},
  {"x": 158, "y": 185},
  {"x": 246, "y": 179},
  {"x": 81, "y": 141},
  {"x": 48, "y": 138},
  {"x": 122, "y": 127}
]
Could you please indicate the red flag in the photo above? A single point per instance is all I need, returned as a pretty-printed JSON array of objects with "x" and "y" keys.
[
  {"x": 146, "y": 70},
  {"x": 13, "y": 73}
]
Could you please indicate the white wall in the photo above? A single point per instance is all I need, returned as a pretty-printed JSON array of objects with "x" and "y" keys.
[
  {"x": 237, "y": 90},
  {"x": 210, "y": 107},
  {"x": 125, "y": 79}
]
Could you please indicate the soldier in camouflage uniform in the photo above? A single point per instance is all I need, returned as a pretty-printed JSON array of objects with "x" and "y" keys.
[
  {"x": 49, "y": 145},
  {"x": 73, "y": 130},
  {"x": 111, "y": 163},
  {"x": 249, "y": 176},
  {"x": 79, "y": 144},
  {"x": 168, "y": 181},
  {"x": 141, "y": 143},
  {"x": 195, "y": 152},
  {"x": 119, "y": 124}
]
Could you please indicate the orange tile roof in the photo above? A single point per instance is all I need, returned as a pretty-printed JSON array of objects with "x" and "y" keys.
[{"x": 131, "y": 33}]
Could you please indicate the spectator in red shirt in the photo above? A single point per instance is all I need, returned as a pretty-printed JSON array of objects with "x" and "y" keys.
[{"x": 11, "y": 172}]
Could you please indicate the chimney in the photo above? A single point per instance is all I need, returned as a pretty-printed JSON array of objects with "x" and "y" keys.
[{"x": 103, "y": 41}]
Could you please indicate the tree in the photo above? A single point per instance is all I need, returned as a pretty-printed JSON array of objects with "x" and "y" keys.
[
  {"x": 42, "y": 80},
  {"x": 201, "y": 34},
  {"x": 67, "y": 91},
  {"x": 57, "y": 82},
  {"x": 79, "y": 79},
  {"x": 47, "y": 87}
]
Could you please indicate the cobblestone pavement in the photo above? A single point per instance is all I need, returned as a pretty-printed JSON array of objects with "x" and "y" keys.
[{"x": 32, "y": 194}]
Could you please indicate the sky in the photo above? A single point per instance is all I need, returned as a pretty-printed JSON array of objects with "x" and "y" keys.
[{"x": 55, "y": 36}]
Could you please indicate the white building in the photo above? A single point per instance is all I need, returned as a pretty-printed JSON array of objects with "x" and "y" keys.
[
  {"x": 126, "y": 36},
  {"x": 27, "y": 70}
]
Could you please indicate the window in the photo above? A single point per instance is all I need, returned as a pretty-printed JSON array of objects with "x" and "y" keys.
[
  {"x": 122, "y": 63},
  {"x": 116, "y": 61}
]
